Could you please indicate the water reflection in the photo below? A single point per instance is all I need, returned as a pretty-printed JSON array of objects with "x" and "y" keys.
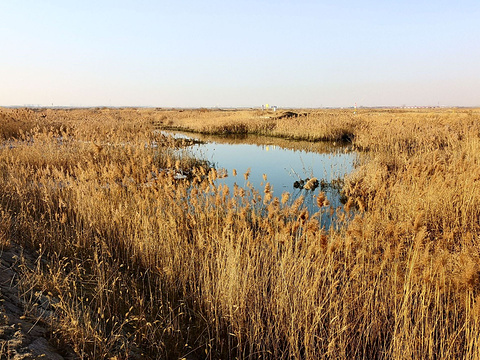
[{"x": 281, "y": 162}]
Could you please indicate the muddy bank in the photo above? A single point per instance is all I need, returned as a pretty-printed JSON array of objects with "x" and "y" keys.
[{"x": 24, "y": 334}]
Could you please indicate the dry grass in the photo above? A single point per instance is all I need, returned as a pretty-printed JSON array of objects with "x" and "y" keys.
[
  {"x": 311, "y": 126},
  {"x": 148, "y": 266}
]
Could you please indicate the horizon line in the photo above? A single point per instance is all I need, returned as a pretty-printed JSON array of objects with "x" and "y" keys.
[{"x": 53, "y": 107}]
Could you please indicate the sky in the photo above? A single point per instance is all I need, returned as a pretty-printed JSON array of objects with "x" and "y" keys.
[{"x": 289, "y": 53}]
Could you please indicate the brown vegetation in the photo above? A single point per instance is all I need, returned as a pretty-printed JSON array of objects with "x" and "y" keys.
[{"x": 147, "y": 266}]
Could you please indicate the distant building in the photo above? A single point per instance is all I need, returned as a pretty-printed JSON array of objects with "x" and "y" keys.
[{"x": 267, "y": 106}]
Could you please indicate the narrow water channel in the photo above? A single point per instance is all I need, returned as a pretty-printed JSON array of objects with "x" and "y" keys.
[{"x": 283, "y": 163}]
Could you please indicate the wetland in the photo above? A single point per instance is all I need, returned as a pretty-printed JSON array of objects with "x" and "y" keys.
[{"x": 138, "y": 260}]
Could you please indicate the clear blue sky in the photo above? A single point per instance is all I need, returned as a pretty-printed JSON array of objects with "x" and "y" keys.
[{"x": 291, "y": 53}]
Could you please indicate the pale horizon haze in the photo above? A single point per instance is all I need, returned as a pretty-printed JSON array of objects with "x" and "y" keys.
[{"x": 240, "y": 53}]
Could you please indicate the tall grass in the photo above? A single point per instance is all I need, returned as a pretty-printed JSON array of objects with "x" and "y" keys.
[
  {"x": 148, "y": 266},
  {"x": 312, "y": 126}
]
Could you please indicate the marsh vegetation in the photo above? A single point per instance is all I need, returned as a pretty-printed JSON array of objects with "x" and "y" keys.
[{"x": 144, "y": 264}]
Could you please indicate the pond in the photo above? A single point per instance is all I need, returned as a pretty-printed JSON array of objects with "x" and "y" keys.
[{"x": 284, "y": 164}]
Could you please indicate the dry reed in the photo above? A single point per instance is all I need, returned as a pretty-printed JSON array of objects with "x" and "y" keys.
[{"x": 148, "y": 266}]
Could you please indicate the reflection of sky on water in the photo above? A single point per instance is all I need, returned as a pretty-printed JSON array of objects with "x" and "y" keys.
[{"x": 282, "y": 167}]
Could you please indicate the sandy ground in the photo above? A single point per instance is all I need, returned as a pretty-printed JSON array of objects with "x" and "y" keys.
[{"x": 23, "y": 336}]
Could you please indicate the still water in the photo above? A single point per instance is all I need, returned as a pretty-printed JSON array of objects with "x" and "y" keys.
[{"x": 281, "y": 162}]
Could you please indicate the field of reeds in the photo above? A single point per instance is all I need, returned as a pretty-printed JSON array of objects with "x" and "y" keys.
[{"x": 139, "y": 263}]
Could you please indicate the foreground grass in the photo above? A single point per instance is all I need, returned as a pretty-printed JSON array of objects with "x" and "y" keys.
[{"x": 142, "y": 266}]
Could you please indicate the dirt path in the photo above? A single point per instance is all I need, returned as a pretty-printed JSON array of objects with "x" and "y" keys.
[{"x": 23, "y": 337}]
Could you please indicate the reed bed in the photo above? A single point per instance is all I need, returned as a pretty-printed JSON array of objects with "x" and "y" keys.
[
  {"x": 297, "y": 125},
  {"x": 141, "y": 264}
]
